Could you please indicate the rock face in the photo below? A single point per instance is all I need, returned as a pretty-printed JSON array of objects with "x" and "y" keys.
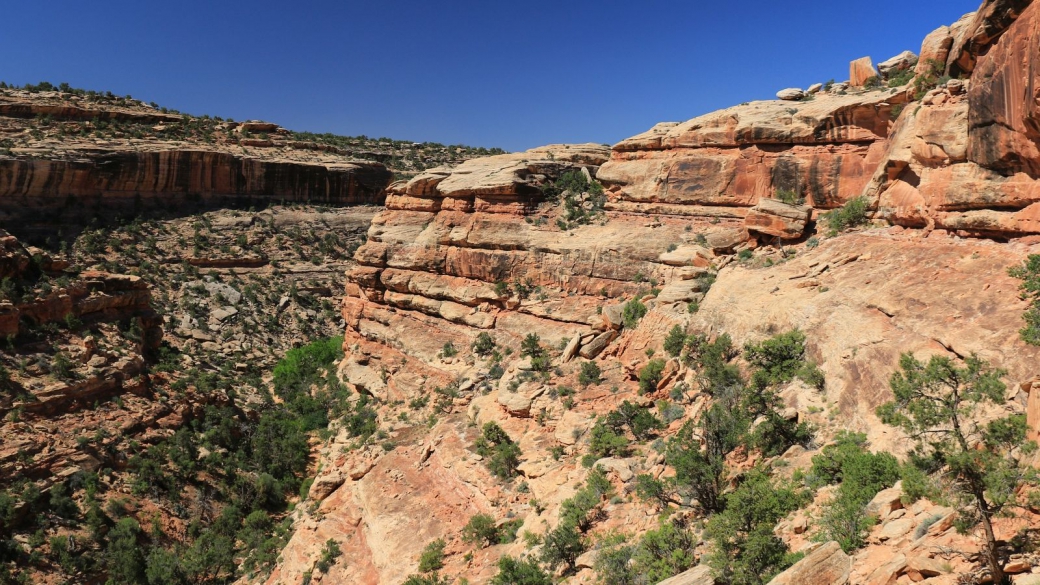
[
  {"x": 1003, "y": 114},
  {"x": 115, "y": 182},
  {"x": 70, "y": 161},
  {"x": 900, "y": 62},
  {"x": 722, "y": 164},
  {"x": 860, "y": 71},
  {"x": 775, "y": 218},
  {"x": 827, "y": 565},
  {"x": 434, "y": 258},
  {"x": 477, "y": 249},
  {"x": 966, "y": 159},
  {"x": 792, "y": 94}
]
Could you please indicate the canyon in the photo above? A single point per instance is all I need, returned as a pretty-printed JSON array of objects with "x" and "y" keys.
[{"x": 507, "y": 308}]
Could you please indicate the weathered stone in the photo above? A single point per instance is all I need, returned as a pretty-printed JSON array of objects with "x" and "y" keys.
[
  {"x": 620, "y": 467},
  {"x": 612, "y": 316},
  {"x": 598, "y": 344},
  {"x": 571, "y": 427},
  {"x": 572, "y": 348},
  {"x": 885, "y": 502},
  {"x": 776, "y": 218},
  {"x": 791, "y": 94},
  {"x": 1003, "y": 116},
  {"x": 324, "y": 485},
  {"x": 860, "y": 71},
  {"x": 827, "y": 565},
  {"x": 681, "y": 291},
  {"x": 901, "y": 62},
  {"x": 699, "y": 575},
  {"x": 896, "y": 528},
  {"x": 925, "y": 566},
  {"x": 519, "y": 403}
]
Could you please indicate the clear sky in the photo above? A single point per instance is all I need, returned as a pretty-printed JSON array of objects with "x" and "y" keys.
[{"x": 481, "y": 72}]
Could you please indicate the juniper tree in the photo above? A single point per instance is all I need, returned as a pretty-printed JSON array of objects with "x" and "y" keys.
[{"x": 937, "y": 405}]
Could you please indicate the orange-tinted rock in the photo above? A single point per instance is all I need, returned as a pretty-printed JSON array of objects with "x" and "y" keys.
[
  {"x": 935, "y": 50},
  {"x": 827, "y": 565},
  {"x": 775, "y": 218},
  {"x": 824, "y": 150},
  {"x": 860, "y": 71},
  {"x": 1004, "y": 115},
  {"x": 978, "y": 32}
]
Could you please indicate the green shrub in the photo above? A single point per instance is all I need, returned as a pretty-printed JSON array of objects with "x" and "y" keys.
[
  {"x": 484, "y": 344},
  {"x": 520, "y": 571},
  {"x": 531, "y": 346},
  {"x": 903, "y": 77},
  {"x": 329, "y": 553},
  {"x": 744, "y": 549},
  {"x": 1029, "y": 274},
  {"x": 632, "y": 312},
  {"x": 650, "y": 375},
  {"x": 675, "y": 341},
  {"x": 62, "y": 367},
  {"x": 481, "y": 531},
  {"x": 862, "y": 475},
  {"x": 605, "y": 442},
  {"x": 932, "y": 77},
  {"x": 850, "y": 215},
  {"x": 590, "y": 374},
  {"x": 638, "y": 420},
  {"x": 665, "y": 552},
  {"x": 449, "y": 350},
  {"x": 789, "y": 196},
  {"x": 501, "y": 454},
  {"x": 432, "y": 557}
]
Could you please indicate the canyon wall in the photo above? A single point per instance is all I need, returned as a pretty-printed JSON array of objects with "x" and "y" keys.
[
  {"x": 66, "y": 160},
  {"x": 948, "y": 174}
]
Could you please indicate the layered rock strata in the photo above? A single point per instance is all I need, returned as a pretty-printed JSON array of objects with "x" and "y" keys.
[
  {"x": 478, "y": 250},
  {"x": 65, "y": 161}
]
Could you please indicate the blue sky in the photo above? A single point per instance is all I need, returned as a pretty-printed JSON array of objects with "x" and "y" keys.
[{"x": 486, "y": 73}]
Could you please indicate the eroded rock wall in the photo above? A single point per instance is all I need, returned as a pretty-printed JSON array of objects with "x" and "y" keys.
[{"x": 443, "y": 263}]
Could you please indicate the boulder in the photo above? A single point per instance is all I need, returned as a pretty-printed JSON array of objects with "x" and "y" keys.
[
  {"x": 619, "y": 467},
  {"x": 827, "y": 565},
  {"x": 324, "y": 485},
  {"x": 699, "y": 575},
  {"x": 572, "y": 348},
  {"x": 776, "y": 218},
  {"x": 815, "y": 88},
  {"x": 612, "y": 316},
  {"x": 896, "y": 529},
  {"x": 723, "y": 241},
  {"x": 598, "y": 344},
  {"x": 519, "y": 403},
  {"x": 791, "y": 94},
  {"x": 860, "y": 71},
  {"x": 901, "y": 62},
  {"x": 886, "y": 501},
  {"x": 925, "y": 566},
  {"x": 935, "y": 48},
  {"x": 686, "y": 256}
]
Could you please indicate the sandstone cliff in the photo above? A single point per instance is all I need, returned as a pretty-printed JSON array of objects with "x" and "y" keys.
[
  {"x": 66, "y": 160},
  {"x": 947, "y": 167}
]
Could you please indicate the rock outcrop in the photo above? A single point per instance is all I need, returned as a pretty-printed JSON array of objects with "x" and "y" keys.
[
  {"x": 827, "y": 565},
  {"x": 965, "y": 159},
  {"x": 54, "y": 174},
  {"x": 479, "y": 250}
]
